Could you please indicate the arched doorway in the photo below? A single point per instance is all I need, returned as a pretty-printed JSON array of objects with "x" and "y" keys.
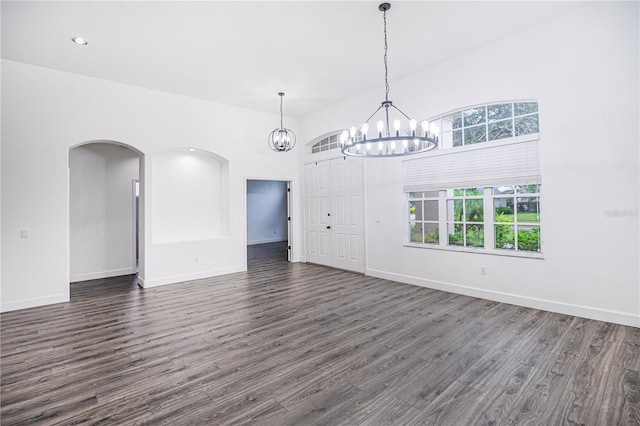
[{"x": 106, "y": 185}]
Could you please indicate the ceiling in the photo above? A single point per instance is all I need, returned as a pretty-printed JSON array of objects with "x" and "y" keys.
[{"x": 244, "y": 52}]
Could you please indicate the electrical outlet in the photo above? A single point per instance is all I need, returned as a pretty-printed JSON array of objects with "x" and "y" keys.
[
  {"x": 483, "y": 270},
  {"x": 24, "y": 233}
]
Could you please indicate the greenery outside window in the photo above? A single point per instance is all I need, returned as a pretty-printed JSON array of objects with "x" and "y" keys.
[
  {"x": 465, "y": 217},
  {"x": 503, "y": 219},
  {"x": 517, "y": 217}
]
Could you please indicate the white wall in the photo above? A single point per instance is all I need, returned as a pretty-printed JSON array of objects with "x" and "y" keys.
[
  {"x": 583, "y": 69},
  {"x": 190, "y": 200},
  {"x": 101, "y": 211},
  {"x": 46, "y": 112},
  {"x": 266, "y": 211}
]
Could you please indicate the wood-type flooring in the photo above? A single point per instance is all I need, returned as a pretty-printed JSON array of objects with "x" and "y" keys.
[{"x": 301, "y": 344}]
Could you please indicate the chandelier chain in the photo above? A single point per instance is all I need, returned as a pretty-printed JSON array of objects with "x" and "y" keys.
[
  {"x": 281, "y": 96},
  {"x": 386, "y": 67}
]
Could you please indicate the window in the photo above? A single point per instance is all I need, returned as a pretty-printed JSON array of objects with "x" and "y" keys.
[
  {"x": 484, "y": 197},
  {"x": 487, "y": 123},
  {"x": 517, "y": 217},
  {"x": 423, "y": 217},
  {"x": 503, "y": 219},
  {"x": 465, "y": 217},
  {"x": 326, "y": 144}
]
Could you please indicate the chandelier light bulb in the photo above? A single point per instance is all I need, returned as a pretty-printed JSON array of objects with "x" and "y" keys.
[
  {"x": 413, "y": 124},
  {"x": 393, "y": 145},
  {"x": 425, "y": 126},
  {"x": 380, "y": 146},
  {"x": 435, "y": 129},
  {"x": 353, "y": 131},
  {"x": 396, "y": 124},
  {"x": 380, "y": 126},
  {"x": 343, "y": 137},
  {"x": 368, "y": 147},
  {"x": 364, "y": 129}
]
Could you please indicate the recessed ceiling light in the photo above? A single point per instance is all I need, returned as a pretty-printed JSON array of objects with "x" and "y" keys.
[{"x": 80, "y": 41}]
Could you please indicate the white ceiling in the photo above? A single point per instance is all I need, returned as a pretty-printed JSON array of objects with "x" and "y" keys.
[{"x": 244, "y": 52}]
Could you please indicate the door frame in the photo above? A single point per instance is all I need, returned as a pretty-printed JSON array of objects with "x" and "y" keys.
[
  {"x": 141, "y": 179},
  {"x": 290, "y": 216},
  {"x": 136, "y": 221},
  {"x": 327, "y": 157}
]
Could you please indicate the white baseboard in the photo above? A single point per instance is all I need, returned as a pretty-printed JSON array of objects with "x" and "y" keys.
[
  {"x": 624, "y": 318},
  {"x": 102, "y": 274},
  {"x": 188, "y": 277},
  {"x": 268, "y": 240},
  {"x": 33, "y": 303}
]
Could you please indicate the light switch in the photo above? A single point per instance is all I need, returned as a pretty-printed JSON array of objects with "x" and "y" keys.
[{"x": 24, "y": 233}]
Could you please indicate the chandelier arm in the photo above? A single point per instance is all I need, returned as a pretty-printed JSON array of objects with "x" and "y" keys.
[
  {"x": 400, "y": 111},
  {"x": 374, "y": 113}
]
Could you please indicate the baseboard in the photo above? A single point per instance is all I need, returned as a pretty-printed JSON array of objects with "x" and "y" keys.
[
  {"x": 102, "y": 274},
  {"x": 599, "y": 314},
  {"x": 265, "y": 241},
  {"x": 33, "y": 303},
  {"x": 149, "y": 283}
]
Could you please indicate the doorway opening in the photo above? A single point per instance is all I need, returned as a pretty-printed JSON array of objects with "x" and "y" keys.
[
  {"x": 105, "y": 219},
  {"x": 268, "y": 220}
]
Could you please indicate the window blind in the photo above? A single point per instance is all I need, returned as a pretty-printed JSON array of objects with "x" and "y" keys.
[{"x": 506, "y": 164}]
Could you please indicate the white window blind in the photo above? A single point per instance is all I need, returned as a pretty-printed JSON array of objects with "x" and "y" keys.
[{"x": 483, "y": 166}]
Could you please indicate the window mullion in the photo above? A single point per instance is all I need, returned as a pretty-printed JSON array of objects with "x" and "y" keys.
[
  {"x": 515, "y": 220},
  {"x": 443, "y": 233},
  {"x": 489, "y": 219}
]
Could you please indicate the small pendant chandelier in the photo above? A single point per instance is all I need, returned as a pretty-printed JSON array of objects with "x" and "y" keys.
[
  {"x": 282, "y": 139},
  {"x": 355, "y": 142}
]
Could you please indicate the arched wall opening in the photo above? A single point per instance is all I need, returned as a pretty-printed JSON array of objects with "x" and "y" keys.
[
  {"x": 106, "y": 204},
  {"x": 190, "y": 196}
]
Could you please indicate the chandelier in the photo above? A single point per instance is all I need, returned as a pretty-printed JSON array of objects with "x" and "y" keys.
[
  {"x": 282, "y": 139},
  {"x": 388, "y": 143}
]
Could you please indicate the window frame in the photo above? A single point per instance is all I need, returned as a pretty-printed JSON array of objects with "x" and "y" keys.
[
  {"x": 328, "y": 143},
  {"x": 517, "y": 225},
  {"x": 488, "y": 223},
  {"x": 423, "y": 221},
  {"x": 450, "y": 196},
  {"x": 447, "y": 129}
]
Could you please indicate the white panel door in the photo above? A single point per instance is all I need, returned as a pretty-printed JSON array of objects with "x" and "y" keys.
[
  {"x": 334, "y": 212},
  {"x": 348, "y": 213},
  {"x": 317, "y": 212}
]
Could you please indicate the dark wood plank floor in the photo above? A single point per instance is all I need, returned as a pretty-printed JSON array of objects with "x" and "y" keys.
[{"x": 302, "y": 344}]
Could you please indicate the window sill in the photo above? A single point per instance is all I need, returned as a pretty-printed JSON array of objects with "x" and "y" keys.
[{"x": 506, "y": 253}]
